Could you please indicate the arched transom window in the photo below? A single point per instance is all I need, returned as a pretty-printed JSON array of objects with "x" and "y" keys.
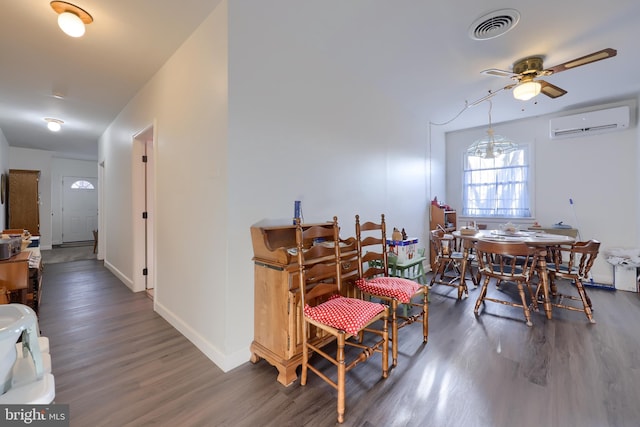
[{"x": 81, "y": 184}]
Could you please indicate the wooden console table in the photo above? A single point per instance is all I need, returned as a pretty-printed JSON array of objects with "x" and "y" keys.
[{"x": 277, "y": 312}]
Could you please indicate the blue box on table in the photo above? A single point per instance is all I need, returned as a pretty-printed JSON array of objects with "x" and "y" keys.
[{"x": 405, "y": 250}]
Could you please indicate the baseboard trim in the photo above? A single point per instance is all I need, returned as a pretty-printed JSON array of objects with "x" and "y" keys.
[{"x": 123, "y": 278}]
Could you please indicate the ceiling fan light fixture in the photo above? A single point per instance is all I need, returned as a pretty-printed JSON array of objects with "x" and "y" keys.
[
  {"x": 71, "y": 18},
  {"x": 526, "y": 90},
  {"x": 54, "y": 125}
]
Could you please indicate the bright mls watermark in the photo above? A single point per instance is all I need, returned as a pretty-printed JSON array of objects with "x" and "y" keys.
[{"x": 54, "y": 415}]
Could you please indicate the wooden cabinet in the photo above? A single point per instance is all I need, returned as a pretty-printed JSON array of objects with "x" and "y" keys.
[
  {"x": 14, "y": 275},
  {"x": 277, "y": 310},
  {"x": 21, "y": 275},
  {"x": 445, "y": 218},
  {"x": 441, "y": 217},
  {"x": 24, "y": 206}
]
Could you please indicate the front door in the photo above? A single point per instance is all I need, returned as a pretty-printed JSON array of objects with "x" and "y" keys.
[{"x": 79, "y": 208}]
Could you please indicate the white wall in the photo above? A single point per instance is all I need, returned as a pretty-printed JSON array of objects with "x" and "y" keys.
[
  {"x": 598, "y": 172},
  {"x": 40, "y": 160},
  {"x": 437, "y": 166},
  {"x": 186, "y": 101},
  {"x": 301, "y": 127},
  {"x": 230, "y": 153}
]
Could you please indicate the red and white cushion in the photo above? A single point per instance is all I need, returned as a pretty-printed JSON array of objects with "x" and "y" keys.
[
  {"x": 391, "y": 287},
  {"x": 347, "y": 314}
]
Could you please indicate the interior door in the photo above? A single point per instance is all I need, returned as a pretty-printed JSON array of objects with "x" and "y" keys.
[
  {"x": 24, "y": 200},
  {"x": 79, "y": 208}
]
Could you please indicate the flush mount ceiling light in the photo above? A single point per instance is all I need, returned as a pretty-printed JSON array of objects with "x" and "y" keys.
[
  {"x": 54, "y": 125},
  {"x": 71, "y": 18},
  {"x": 58, "y": 94}
]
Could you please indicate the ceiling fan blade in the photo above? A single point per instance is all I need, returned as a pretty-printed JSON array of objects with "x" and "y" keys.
[
  {"x": 552, "y": 91},
  {"x": 584, "y": 60},
  {"x": 497, "y": 73}
]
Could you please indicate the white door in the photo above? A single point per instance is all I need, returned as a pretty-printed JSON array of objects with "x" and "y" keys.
[
  {"x": 79, "y": 208},
  {"x": 143, "y": 191}
]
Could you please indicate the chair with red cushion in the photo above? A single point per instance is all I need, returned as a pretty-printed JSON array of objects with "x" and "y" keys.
[
  {"x": 330, "y": 316},
  {"x": 374, "y": 281}
]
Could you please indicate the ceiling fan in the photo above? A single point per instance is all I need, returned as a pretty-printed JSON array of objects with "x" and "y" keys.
[{"x": 526, "y": 72}]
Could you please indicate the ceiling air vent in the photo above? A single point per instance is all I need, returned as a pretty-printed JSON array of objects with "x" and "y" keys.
[{"x": 494, "y": 24}]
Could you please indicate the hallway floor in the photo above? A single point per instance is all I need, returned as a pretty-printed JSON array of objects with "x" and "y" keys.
[
  {"x": 76, "y": 252},
  {"x": 118, "y": 363}
]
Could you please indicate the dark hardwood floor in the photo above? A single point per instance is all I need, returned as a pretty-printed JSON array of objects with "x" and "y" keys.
[{"x": 117, "y": 363}]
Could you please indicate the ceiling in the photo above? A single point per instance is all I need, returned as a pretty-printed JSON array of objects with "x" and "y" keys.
[
  {"x": 97, "y": 74},
  {"x": 421, "y": 58}
]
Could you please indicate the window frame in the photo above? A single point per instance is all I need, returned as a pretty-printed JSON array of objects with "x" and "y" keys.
[
  {"x": 91, "y": 187},
  {"x": 530, "y": 153}
]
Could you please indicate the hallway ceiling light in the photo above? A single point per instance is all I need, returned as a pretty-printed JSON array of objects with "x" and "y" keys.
[
  {"x": 54, "y": 125},
  {"x": 71, "y": 18}
]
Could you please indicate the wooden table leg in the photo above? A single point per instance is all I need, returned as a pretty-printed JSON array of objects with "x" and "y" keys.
[{"x": 544, "y": 281}]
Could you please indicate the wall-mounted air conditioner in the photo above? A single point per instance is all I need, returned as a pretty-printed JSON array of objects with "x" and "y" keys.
[{"x": 590, "y": 123}]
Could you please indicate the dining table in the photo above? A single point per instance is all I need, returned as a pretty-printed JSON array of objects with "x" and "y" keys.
[{"x": 538, "y": 239}]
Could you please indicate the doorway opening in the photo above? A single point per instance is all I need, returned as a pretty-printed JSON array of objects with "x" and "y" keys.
[{"x": 143, "y": 187}]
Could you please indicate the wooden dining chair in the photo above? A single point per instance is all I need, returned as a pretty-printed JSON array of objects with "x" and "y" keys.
[
  {"x": 330, "y": 316},
  {"x": 374, "y": 281},
  {"x": 506, "y": 262},
  {"x": 573, "y": 263},
  {"x": 451, "y": 263},
  {"x": 412, "y": 269}
]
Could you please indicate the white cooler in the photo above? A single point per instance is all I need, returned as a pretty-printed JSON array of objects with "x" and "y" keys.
[{"x": 625, "y": 278}]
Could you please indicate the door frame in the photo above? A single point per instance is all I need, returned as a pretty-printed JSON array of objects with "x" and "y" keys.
[
  {"x": 143, "y": 191},
  {"x": 63, "y": 204}
]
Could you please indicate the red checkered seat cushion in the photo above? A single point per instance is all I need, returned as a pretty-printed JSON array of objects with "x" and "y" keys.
[
  {"x": 391, "y": 287},
  {"x": 346, "y": 314}
]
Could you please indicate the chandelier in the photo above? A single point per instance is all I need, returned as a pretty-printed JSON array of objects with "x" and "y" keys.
[{"x": 491, "y": 146}]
